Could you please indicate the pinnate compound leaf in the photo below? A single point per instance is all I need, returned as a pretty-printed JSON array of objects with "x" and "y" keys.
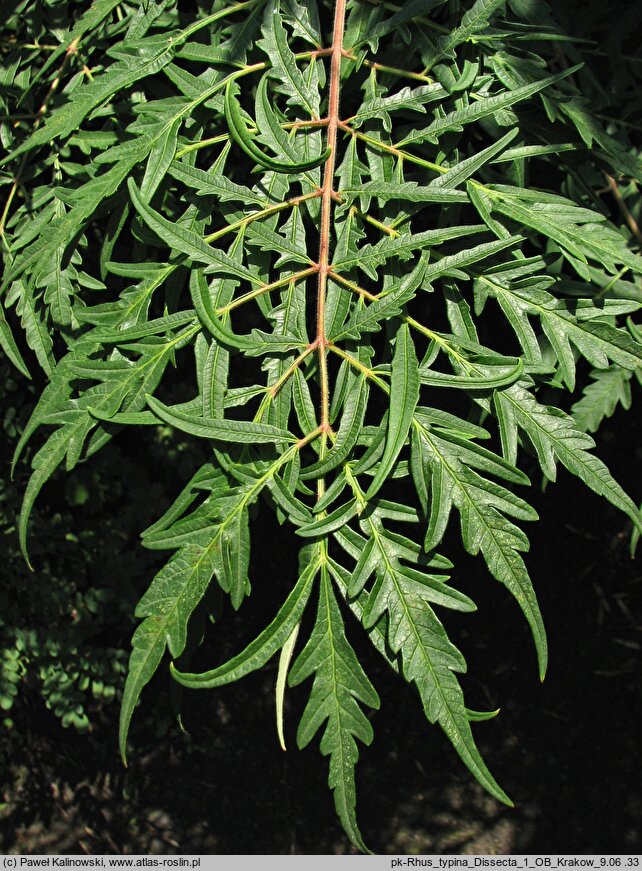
[{"x": 321, "y": 390}]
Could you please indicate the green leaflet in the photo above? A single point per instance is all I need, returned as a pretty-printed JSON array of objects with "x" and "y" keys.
[
  {"x": 285, "y": 659},
  {"x": 485, "y": 509},
  {"x": 463, "y": 170},
  {"x": 267, "y": 343},
  {"x": 283, "y": 61},
  {"x": 428, "y": 659},
  {"x": 354, "y": 411},
  {"x": 149, "y": 328},
  {"x": 575, "y": 322},
  {"x": 339, "y": 685},
  {"x": 268, "y": 240},
  {"x": 458, "y": 119},
  {"x": 220, "y": 430},
  {"x": 371, "y": 256},
  {"x": 287, "y": 144},
  {"x": 473, "y": 21},
  {"x": 213, "y": 184},
  {"x": 304, "y": 21},
  {"x": 573, "y": 232},
  {"x": 601, "y": 397},
  {"x": 9, "y": 346},
  {"x": 415, "y": 99},
  {"x": 48, "y": 458},
  {"x": 220, "y": 548},
  {"x": 166, "y": 607},
  {"x": 555, "y": 437},
  {"x": 483, "y": 375},
  {"x": 173, "y": 595},
  {"x": 404, "y": 395},
  {"x": 263, "y": 648},
  {"x": 159, "y": 161},
  {"x": 355, "y": 544},
  {"x": 369, "y": 318},
  {"x": 53, "y": 396},
  {"x": 409, "y": 191},
  {"x": 333, "y": 521},
  {"x": 412, "y": 9},
  {"x": 454, "y": 264},
  {"x": 205, "y": 304},
  {"x": 62, "y": 230},
  {"x": 206, "y": 478},
  {"x": 123, "y": 387},
  {"x": 244, "y": 139},
  {"x": 194, "y": 247},
  {"x": 296, "y": 510}
]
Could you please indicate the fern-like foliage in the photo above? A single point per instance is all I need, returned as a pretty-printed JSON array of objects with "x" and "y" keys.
[{"x": 321, "y": 214}]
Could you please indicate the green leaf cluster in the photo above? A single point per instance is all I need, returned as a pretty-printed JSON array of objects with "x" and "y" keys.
[{"x": 326, "y": 253}]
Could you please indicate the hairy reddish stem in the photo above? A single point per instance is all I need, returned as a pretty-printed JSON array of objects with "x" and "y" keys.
[
  {"x": 274, "y": 389},
  {"x": 265, "y": 288},
  {"x": 327, "y": 199}
]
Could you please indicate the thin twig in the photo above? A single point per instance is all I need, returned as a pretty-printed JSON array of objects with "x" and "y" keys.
[
  {"x": 619, "y": 199},
  {"x": 71, "y": 50}
]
